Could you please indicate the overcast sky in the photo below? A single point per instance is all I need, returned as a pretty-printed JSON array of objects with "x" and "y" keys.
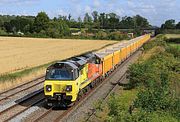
[{"x": 156, "y": 11}]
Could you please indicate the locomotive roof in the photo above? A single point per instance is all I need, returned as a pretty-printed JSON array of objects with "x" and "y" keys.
[{"x": 67, "y": 63}]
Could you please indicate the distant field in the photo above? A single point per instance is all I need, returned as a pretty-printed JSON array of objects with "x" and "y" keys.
[
  {"x": 173, "y": 36},
  {"x": 17, "y": 53}
]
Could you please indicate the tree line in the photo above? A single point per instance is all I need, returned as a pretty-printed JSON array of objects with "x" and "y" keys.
[
  {"x": 61, "y": 26},
  {"x": 170, "y": 24}
]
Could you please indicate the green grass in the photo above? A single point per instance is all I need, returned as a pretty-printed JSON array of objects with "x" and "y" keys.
[
  {"x": 162, "y": 117},
  {"x": 175, "y": 46},
  {"x": 127, "y": 96}
]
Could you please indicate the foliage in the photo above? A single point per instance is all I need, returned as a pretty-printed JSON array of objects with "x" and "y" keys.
[
  {"x": 169, "y": 24},
  {"x": 18, "y": 24},
  {"x": 178, "y": 25},
  {"x": 57, "y": 29},
  {"x": 2, "y": 32},
  {"x": 168, "y": 31},
  {"x": 158, "y": 41},
  {"x": 92, "y": 23},
  {"x": 158, "y": 81},
  {"x": 157, "y": 77},
  {"x": 141, "y": 22},
  {"x": 35, "y": 25},
  {"x": 101, "y": 35},
  {"x": 174, "y": 49},
  {"x": 117, "y": 36},
  {"x": 41, "y": 22}
]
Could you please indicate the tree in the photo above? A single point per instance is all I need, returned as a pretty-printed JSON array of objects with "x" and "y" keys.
[
  {"x": 41, "y": 22},
  {"x": 95, "y": 16},
  {"x": 140, "y": 22},
  {"x": 60, "y": 17},
  {"x": 169, "y": 24},
  {"x": 1, "y": 23},
  {"x": 8, "y": 26},
  {"x": 178, "y": 25},
  {"x": 102, "y": 20},
  {"x": 69, "y": 17},
  {"x": 58, "y": 29},
  {"x": 113, "y": 20},
  {"x": 87, "y": 18},
  {"x": 88, "y": 21},
  {"x": 20, "y": 23},
  {"x": 80, "y": 22},
  {"x": 127, "y": 23}
]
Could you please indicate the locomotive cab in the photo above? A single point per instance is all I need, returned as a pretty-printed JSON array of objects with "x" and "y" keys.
[
  {"x": 61, "y": 83},
  {"x": 64, "y": 80}
]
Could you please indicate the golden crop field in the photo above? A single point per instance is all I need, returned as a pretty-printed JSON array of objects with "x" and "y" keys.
[
  {"x": 18, "y": 53},
  {"x": 172, "y": 35}
]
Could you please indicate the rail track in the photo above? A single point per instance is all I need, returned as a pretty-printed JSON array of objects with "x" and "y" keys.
[
  {"x": 114, "y": 87},
  {"x": 23, "y": 87},
  {"x": 22, "y": 106}
]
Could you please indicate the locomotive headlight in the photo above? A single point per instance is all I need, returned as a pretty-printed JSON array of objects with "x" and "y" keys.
[
  {"x": 68, "y": 88},
  {"x": 48, "y": 88}
]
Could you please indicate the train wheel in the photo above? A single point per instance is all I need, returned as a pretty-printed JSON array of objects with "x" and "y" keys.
[
  {"x": 80, "y": 95},
  {"x": 88, "y": 88},
  {"x": 92, "y": 85},
  {"x": 48, "y": 104}
]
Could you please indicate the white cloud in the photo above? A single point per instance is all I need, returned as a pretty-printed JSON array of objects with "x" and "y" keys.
[
  {"x": 18, "y": 2},
  {"x": 88, "y": 9},
  {"x": 57, "y": 13},
  {"x": 120, "y": 11},
  {"x": 96, "y": 3}
]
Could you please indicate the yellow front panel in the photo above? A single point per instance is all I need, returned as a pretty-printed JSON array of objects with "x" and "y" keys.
[{"x": 60, "y": 86}]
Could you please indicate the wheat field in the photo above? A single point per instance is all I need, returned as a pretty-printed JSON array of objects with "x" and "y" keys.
[
  {"x": 169, "y": 36},
  {"x": 18, "y": 53}
]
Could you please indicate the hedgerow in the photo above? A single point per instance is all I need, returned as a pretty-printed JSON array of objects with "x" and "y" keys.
[{"x": 157, "y": 80}]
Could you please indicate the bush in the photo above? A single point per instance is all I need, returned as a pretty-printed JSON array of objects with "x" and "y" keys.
[
  {"x": 2, "y": 32},
  {"x": 175, "y": 50},
  {"x": 156, "y": 76},
  {"x": 158, "y": 41},
  {"x": 117, "y": 36},
  {"x": 175, "y": 40},
  {"x": 101, "y": 35}
]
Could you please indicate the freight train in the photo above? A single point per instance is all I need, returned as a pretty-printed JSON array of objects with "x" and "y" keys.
[{"x": 69, "y": 79}]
